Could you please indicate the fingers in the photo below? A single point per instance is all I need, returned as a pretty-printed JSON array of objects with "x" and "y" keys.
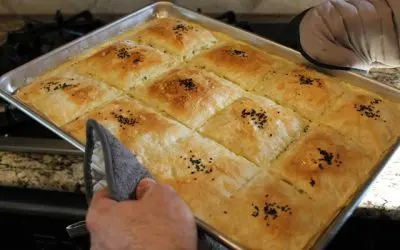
[
  {"x": 144, "y": 186},
  {"x": 102, "y": 199},
  {"x": 148, "y": 188},
  {"x": 100, "y": 203}
]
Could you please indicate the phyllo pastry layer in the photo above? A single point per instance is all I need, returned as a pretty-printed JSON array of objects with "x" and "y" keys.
[
  {"x": 125, "y": 64},
  {"x": 300, "y": 88},
  {"x": 66, "y": 96},
  {"x": 367, "y": 118},
  {"x": 238, "y": 62},
  {"x": 141, "y": 129},
  {"x": 175, "y": 36},
  {"x": 255, "y": 127},
  {"x": 270, "y": 214},
  {"x": 202, "y": 171},
  {"x": 326, "y": 165},
  {"x": 189, "y": 95}
]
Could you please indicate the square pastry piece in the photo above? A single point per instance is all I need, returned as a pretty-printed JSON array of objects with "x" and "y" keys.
[
  {"x": 326, "y": 165},
  {"x": 125, "y": 64},
  {"x": 238, "y": 62},
  {"x": 175, "y": 36},
  {"x": 190, "y": 95},
  {"x": 367, "y": 118},
  {"x": 66, "y": 96},
  {"x": 141, "y": 129},
  {"x": 270, "y": 214},
  {"x": 202, "y": 171},
  {"x": 255, "y": 127},
  {"x": 305, "y": 90}
]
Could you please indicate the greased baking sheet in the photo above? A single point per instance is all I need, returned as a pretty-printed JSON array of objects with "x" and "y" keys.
[{"x": 13, "y": 80}]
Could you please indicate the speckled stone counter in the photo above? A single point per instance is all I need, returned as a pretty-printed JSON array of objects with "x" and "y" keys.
[
  {"x": 51, "y": 172},
  {"x": 387, "y": 76}
]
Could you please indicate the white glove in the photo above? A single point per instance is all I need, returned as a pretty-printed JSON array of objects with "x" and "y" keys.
[{"x": 357, "y": 34}]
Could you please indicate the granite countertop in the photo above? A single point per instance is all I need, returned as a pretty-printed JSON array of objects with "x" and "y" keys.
[
  {"x": 42, "y": 171},
  {"x": 388, "y": 76}
]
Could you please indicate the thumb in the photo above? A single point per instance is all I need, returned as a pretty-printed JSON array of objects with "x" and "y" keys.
[{"x": 144, "y": 186}]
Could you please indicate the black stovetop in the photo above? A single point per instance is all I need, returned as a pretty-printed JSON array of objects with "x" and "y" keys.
[{"x": 36, "y": 38}]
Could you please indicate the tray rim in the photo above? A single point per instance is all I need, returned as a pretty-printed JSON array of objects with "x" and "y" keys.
[{"x": 334, "y": 225}]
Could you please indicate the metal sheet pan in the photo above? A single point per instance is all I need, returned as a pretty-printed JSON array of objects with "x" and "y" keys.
[{"x": 19, "y": 77}]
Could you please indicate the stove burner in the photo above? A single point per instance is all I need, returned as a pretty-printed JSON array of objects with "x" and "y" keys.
[
  {"x": 37, "y": 38},
  {"x": 34, "y": 39}
]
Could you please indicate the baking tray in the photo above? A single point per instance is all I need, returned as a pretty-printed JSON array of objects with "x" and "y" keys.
[{"x": 11, "y": 81}]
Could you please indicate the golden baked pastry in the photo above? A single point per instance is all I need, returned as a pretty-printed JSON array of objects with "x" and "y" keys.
[
  {"x": 237, "y": 62},
  {"x": 326, "y": 165},
  {"x": 305, "y": 90},
  {"x": 125, "y": 64},
  {"x": 270, "y": 214},
  {"x": 175, "y": 36},
  {"x": 66, "y": 96},
  {"x": 189, "y": 95},
  {"x": 255, "y": 127},
  {"x": 296, "y": 86},
  {"x": 200, "y": 169},
  {"x": 367, "y": 118},
  {"x": 139, "y": 128}
]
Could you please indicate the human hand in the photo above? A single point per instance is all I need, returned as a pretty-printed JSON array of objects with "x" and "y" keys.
[{"x": 158, "y": 219}]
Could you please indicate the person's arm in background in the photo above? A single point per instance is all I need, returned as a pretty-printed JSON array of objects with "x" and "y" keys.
[
  {"x": 347, "y": 34},
  {"x": 158, "y": 219}
]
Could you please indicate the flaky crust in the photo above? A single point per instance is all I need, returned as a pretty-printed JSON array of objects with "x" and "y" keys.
[
  {"x": 255, "y": 127},
  {"x": 326, "y": 165},
  {"x": 201, "y": 171},
  {"x": 139, "y": 128},
  {"x": 270, "y": 214},
  {"x": 300, "y": 88},
  {"x": 66, "y": 96},
  {"x": 175, "y": 36},
  {"x": 238, "y": 62},
  {"x": 190, "y": 95},
  {"x": 367, "y": 118},
  {"x": 125, "y": 64}
]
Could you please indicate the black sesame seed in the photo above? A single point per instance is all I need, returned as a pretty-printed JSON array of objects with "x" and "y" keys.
[
  {"x": 235, "y": 52},
  {"x": 305, "y": 80},
  {"x": 188, "y": 84}
]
